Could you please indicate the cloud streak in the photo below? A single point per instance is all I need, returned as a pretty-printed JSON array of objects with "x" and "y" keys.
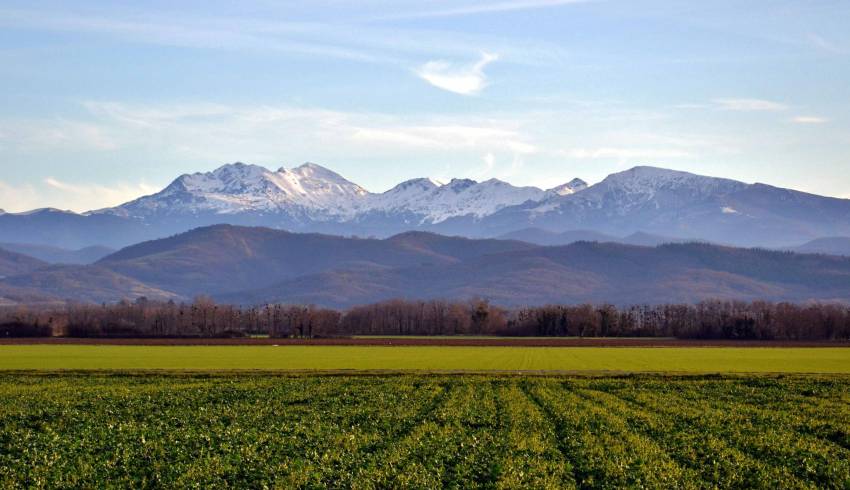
[
  {"x": 749, "y": 105},
  {"x": 809, "y": 120},
  {"x": 479, "y": 8},
  {"x": 624, "y": 154},
  {"x": 464, "y": 80},
  {"x": 156, "y": 142},
  {"x": 52, "y": 192}
]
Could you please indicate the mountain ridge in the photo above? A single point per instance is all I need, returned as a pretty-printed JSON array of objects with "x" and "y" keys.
[
  {"x": 250, "y": 265},
  {"x": 311, "y": 198}
]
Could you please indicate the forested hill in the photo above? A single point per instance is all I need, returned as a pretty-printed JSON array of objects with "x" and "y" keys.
[{"x": 244, "y": 265}]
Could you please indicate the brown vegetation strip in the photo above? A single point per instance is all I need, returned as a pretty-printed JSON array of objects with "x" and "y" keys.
[{"x": 437, "y": 341}]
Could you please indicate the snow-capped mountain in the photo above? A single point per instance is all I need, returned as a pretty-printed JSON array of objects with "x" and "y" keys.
[
  {"x": 570, "y": 187},
  {"x": 308, "y": 190},
  {"x": 684, "y": 205},
  {"x": 436, "y": 203},
  {"x": 311, "y": 198},
  {"x": 311, "y": 192},
  {"x": 642, "y": 188}
]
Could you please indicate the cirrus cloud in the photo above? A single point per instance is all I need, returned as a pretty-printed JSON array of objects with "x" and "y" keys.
[
  {"x": 809, "y": 120},
  {"x": 54, "y": 193},
  {"x": 749, "y": 105}
]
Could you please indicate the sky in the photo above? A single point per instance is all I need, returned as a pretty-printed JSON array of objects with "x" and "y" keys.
[{"x": 102, "y": 102}]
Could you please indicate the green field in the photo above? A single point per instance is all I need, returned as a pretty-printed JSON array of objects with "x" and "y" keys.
[
  {"x": 625, "y": 359},
  {"x": 423, "y": 431}
]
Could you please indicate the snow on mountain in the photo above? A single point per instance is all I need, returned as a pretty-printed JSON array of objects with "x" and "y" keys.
[
  {"x": 43, "y": 211},
  {"x": 570, "y": 187},
  {"x": 316, "y": 193},
  {"x": 239, "y": 188},
  {"x": 683, "y": 205},
  {"x": 645, "y": 183},
  {"x": 642, "y": 188},
  {"x": 460, "y": 197},
  {"x": 311, "y": 198}
]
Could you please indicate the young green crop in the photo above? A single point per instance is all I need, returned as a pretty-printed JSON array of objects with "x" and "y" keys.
[
  {"x": 427, "y": 358},
  {"x": 427, "y": 431}
]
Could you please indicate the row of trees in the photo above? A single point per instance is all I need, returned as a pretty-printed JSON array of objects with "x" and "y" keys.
[{"x": 205, "y": 318}]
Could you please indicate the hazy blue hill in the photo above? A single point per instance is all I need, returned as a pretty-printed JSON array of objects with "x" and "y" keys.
[
  {"x": 57, "y": 255},
  {"x": 582, "y": 272},
  {"x": 549, "y": 238},
  {"x": 13, "y": 263},
  {"x": 89, "y": 284},
  {"x": 258, "y": 265},
  {"x": 229, "y": 258},
  {"x": 839, "y": 245}
]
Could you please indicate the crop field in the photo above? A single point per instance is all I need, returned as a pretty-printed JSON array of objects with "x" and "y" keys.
[
  {"x": 424, "y": 431},
  {"x": 427, "y": 358}
]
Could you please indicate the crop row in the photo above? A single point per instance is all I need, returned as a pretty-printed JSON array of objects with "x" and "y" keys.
[{"x": 78, "y": 431}]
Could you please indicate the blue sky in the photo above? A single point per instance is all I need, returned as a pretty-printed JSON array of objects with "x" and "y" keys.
[{"x": 105, "y": 101}]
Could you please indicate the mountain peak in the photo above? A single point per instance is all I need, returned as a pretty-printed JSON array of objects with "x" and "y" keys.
[
  {"x": 308, "y": 168},
  {"x": 647, "y": 180},
  {"x": 649, "y": 171},
  {"x": 422, "y": 183},
  {"x": 44, "y": 211},
  {"x": 460, "y": 184},
  {"x": 570, "y": 187},
  {"x": 236, "y": 188},
  {"x": 240, "y": 166}
]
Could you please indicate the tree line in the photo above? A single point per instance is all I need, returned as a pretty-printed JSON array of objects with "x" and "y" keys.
[{"x": 759, "y": 320}]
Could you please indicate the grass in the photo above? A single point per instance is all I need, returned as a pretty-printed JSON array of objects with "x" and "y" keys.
[
  {"x": 102, "y": 430},
  {"x": 334, "y": 358}
]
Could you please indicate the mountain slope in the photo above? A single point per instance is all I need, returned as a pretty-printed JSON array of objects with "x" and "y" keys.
[
  {"x": 56, "y": 255},
  {"x": 311, "y": 192},
  {"x": 838, "y": 245},
  {"x": 228, "y": 258},
  {"x": 684, "y": 206},
  {"x": 550, "y": 238},
  {"x": 570, "y": 187},
  {"x": 583, "y": 272},
  {"x": 13, "y": 263},
  {"x": 433, "y": 203},
  {"x": 90, "y": 284},
  {"x": 256, "y": 265},
  {"x": 308, "y": 191},
  {"x": 310, "y": 198},
  {"x": 65, "y": 229}
]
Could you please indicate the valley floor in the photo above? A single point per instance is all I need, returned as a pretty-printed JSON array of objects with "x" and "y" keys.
[{"x": 423, "y": 431}]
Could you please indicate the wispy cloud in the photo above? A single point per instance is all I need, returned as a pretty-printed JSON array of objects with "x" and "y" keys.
[
  {"x": 88, "y": 196},
  {"x": 158, "y": 141},
  {"x": 479, "y": 8},
  {"x": 300, "y": 38},
  {"x": 809, "y": 120},
  {"x": 52, "y": 192},
  {"x": 57, "y": 134},
  {"x": 623, "y": 154},
  {"x": 749, "y": 105},
  {"x": 824, "y": 44},
  {"x": 16, "y": 198},
  {"x": 463, "y": 80},
  {"x": 336, "y": 38}
]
